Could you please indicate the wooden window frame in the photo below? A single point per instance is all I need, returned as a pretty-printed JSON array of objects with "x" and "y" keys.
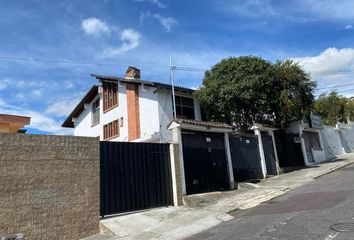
[
  {"x": 110, "y": 95},
  {"x": 111, "y": 130}
]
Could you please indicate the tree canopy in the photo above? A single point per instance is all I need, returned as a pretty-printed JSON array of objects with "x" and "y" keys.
[
  {"x": 334, "y": 108},
  {"x": 249, "y": 89}
]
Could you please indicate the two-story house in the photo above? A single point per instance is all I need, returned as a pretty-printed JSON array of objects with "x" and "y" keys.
[{"x": 131, "y": 109}]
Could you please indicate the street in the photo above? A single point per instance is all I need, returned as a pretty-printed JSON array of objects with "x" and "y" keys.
[{"x": 312, "y": 211}]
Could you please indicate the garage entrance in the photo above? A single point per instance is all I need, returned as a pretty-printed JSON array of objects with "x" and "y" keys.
[{"x": 205, "y": 164}]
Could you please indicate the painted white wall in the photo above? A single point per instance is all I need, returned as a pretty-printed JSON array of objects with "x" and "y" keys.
[
  {"x": 83, "y": 124},
  {"x": 156, "y": 113},
  {"x": 331, "y": 142}
]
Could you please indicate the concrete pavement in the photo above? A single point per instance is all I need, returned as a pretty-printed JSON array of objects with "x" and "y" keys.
[{"x": 208, "y": 210}]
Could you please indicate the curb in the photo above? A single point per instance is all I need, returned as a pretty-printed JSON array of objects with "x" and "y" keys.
[{"x": 333, "y": 169}]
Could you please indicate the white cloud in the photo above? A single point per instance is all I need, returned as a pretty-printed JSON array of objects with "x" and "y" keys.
[
  {"x": 94, "y": 26},
  {"x": 331, "y": 67},
  {"x": 348, "y": 27},
  {"x": 37, "y": 93},
  {"x": 130, "y": 39},
  {"x": 157, "y": 3},
  {"x": 68, "y": 85},
  {"x": 38, "y": 120},
  {"x": 62, "y": 107},
  {"x": 166, "y": 22},
  {"x": 3, "y": 84},
  {"x": 331, "y": 59}
]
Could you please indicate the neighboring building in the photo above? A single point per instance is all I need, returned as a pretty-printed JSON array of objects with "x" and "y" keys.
[
  {"x": 131, "y": 109},
  {"x": 13, "y": 123}
]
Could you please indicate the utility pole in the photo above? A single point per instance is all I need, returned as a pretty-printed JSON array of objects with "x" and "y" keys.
[{"x": 172, "y": 68}]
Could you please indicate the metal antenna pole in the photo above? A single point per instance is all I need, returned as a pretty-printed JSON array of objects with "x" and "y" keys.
[{"x": 173, "y": 88}]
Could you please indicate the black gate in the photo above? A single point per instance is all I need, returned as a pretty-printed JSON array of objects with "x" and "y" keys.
[
  {"x": 289, "y": 149},
  {"x": 269, "y": 154},
  {"x": 246, "y": 162},
  {"x": 205, "y": 164},
  {"x": 134, "y": 176}
]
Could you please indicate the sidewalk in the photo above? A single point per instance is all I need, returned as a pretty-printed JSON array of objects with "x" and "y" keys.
[{"x": 207, "y": 210}]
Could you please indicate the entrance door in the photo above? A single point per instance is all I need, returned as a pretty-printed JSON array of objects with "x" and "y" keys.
[
  {"x": 269, "y": 154},
  {"x": 308, "y": 148},
  {"x": 205, "y": 163}
]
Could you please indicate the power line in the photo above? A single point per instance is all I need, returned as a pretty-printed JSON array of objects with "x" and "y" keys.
[
  {"x": 77, "y": 62},
  {"x": 336, "y": 86}
]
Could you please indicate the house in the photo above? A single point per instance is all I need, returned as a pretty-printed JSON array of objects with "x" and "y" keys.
[
  {"x": 131, "y": 109},
  {"x": 13, "y": 123}
]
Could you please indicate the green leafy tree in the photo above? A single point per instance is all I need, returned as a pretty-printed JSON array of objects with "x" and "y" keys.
[
  {"x": 333, "y": 108},
  {"x": 249, "y": 89}
]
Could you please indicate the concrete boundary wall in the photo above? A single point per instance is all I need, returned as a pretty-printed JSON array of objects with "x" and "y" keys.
[
  {"x": 332, "y": 144},
  {"x": 49, "y": 186}
]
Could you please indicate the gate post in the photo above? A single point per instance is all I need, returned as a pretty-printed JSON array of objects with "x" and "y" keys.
[
  {"x": 176, "y": 175},
  {"x": 230, "y": 170},
  {"x": 261, "y": 151}
]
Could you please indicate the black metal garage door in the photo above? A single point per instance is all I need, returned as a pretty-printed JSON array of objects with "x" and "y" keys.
[
  {"x": 269, "y": 154},
  {"x": 134, "y": 176},
  {"x": 205, "y": 164},
  {"x": 246, "y": 162}
]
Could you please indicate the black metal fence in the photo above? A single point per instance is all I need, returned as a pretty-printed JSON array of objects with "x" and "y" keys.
[
  {"x": 246, "y": 161},
  {"x": 134, "y": 176}
]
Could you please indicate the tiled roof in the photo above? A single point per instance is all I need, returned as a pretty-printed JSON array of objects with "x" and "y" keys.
[{"x": 202, "y": 123}]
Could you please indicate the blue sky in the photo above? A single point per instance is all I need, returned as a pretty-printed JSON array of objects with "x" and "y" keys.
[{"x": 110, "y": 35}]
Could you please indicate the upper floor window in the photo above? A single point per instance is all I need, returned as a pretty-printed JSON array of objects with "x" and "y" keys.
[
  {"x": 110, "y": 95},
  {"x": 111, "y": 130},
  {"x": 95, "y": 112},
  {"x": 184, "y": 107}
]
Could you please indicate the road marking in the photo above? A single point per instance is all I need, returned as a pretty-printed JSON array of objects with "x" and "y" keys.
[{"x": 331, "y": 236}]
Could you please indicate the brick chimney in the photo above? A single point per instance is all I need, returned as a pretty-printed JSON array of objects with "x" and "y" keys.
[{"x": 132, "y": 73}]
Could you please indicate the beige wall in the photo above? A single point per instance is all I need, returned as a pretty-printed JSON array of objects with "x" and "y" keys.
[{"x": 49, "y": 186}]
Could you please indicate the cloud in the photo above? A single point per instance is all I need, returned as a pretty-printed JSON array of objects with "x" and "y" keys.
[
  {"x": 130, "y": 39},
  {"x": 94, "y": 26},
  {"x": 3, "y": 84},
  {"x": 62, "y": 107},
  {"x": 331, "y": 59},
  {"x": 157, "y": 3},
  {"x": 38, "y": 120},
  {"x": 348, "y": 27},
  {"x": 330, "y": 68},
  {"x": 166, "y": 22}
]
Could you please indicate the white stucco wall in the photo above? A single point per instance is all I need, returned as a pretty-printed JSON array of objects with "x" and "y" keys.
[
  {"x": 156, "y": 113},
  {"x": 346, "y": 132},
  {"x": 331, "y": 142},
  {"x": 83, "y": 122}
]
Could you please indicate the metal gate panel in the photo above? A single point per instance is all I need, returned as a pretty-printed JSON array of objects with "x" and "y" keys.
[
  {"x": 289, "y": 149},
  {"x": 134, "y": 176},
  {"x": 205, "y": 164},
  {"x": 246, "y": 162},
  {"x": 269, "y": 154}
]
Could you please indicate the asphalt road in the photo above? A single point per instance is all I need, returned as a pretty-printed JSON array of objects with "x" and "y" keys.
[{"x": 308, "y": 212}]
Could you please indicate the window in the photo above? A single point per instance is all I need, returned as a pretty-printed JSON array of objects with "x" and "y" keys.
[
  {"x": 184, "y": 107},
  {"x": 95, "y": 112},
  {"x": 110, "y": 95},
  {"x": 111, "y": 130},
  {"x": 314, "y": 140}
]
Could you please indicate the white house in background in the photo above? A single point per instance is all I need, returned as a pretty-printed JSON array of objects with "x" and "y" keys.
[{"x": 131, "y": 109}]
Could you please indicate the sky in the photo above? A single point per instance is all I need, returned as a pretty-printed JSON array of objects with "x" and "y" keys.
[{"x": 49, "y": 48}]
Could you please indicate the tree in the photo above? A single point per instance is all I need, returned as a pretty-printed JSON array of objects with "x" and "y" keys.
[
  {"x": 249, "y": 89},
  {"x": 295, "y": 93},
  {"x": 333, "y": 108}
]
